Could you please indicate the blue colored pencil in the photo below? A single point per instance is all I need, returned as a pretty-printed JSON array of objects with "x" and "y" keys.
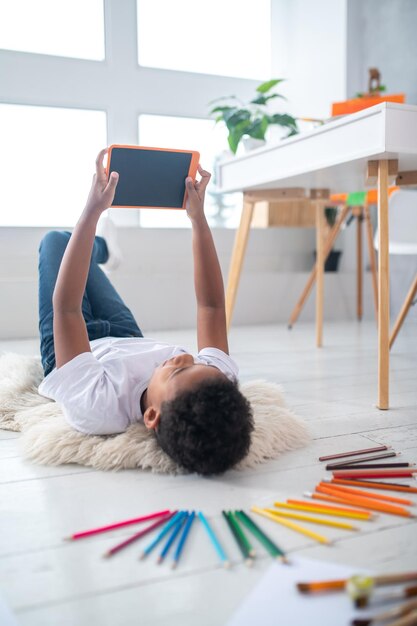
[
  {"x": 176, "y": 529},
  {"x": 214, "y": 540},
  {"x": 161, "y": 535},
  {"x": 183, "y": 538}
]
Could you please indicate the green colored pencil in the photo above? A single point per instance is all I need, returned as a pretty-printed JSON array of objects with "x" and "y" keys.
[
  {"x": 238, "y": 537},
  {"x": 243, "y": 537},
  {"x": 268, "y": 544}
]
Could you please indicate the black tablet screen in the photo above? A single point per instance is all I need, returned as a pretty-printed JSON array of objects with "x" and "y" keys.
[{"x": 150, "y": 178}]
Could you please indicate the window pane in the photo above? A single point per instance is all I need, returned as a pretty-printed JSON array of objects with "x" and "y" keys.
[
  {"x": 190, "y": 134},
  {"x": 47, "y": 161},
  {"x": 228, "y": 38},
  {"x": 70, "y": 29}
]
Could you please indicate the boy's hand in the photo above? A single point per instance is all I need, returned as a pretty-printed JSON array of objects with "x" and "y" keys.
[
  {"x": 102, "y": 191},
  {"x": 195, "y": 194}
]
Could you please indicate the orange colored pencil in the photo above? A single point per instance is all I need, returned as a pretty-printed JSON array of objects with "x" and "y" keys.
[
  {"x": 366, "y": 503},
  {"x": 367, "y": 494},
  {"x": 336, "y": 509},
  {"x": 326, "y": 498},
  {"x": 374, "y": 485}
]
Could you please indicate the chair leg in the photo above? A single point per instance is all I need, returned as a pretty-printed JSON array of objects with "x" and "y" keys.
[
  {"x": 311, "y": 279},
  {"x": 239, "y": 249},
  {"x": 403, "y": 313},
  {"x": 372, "y": 258},
  {"x": 383, "y": 287},
  {"x": 359, "y": 268}
]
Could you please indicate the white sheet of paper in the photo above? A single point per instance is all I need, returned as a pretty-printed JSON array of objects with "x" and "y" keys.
[
  {"x": 6, "y": 616},
  {"x": 276, "y": 600}
]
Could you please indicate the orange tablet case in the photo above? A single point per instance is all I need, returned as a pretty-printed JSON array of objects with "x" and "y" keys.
[{"x": 192, "y": 171}]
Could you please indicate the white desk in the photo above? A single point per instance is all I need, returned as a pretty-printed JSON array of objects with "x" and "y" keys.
[{"x": 380, "y": 141}]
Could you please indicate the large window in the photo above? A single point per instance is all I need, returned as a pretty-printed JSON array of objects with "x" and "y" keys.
[
  {"x": 189, "y": 134},
  {"x": 224, "y": 37},
  {"x": 47, "y": 163},
  {"x": 73, "y": 28}
]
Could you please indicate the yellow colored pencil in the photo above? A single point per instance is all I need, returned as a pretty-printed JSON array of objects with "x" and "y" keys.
[
  {"x": 312, "y": 519},
  {"x": 296, "y": 527},
  {"x": 324, "y": 510}
]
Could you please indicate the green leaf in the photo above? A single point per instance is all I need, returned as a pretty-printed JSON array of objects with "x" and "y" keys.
[
  {"x": 221, "y": 109},
  {"x": 236, "y": 117},
  {"x": 382, "y": 88},
  {"x": 264, "y": 99},
  {"x": 283, "y": 119},
  {"x": 236, "y": 133},
  {"x": 264, "y": 87},
  {"x": 258, "y": 128}
]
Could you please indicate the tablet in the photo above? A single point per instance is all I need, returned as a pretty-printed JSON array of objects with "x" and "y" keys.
[{"x": 151, "y": 177}]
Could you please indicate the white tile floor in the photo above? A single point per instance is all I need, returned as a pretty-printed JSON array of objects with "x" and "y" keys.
[{"x": 49, "y": 582}]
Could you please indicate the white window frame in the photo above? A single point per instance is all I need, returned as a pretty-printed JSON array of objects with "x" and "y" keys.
[{"x": 117, "y": 85}]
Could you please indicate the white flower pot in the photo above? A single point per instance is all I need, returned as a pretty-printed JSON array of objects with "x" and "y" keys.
[{"x": 251, "y": 144}]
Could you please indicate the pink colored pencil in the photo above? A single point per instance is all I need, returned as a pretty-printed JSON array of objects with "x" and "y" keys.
[
  {"x": 353, "y": 453},
  {"x": 138, "y": 535},
  {"x": 103, "y": 529}
]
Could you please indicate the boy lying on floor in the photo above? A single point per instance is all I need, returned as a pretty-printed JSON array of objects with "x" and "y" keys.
[{"x": 107, "y": 376}]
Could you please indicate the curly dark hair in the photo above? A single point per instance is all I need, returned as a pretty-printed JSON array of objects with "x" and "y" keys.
[{"x": 207, "y": 429}]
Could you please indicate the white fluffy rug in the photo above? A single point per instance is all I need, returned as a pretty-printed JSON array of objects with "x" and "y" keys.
[{"x": 48, "y": 439}]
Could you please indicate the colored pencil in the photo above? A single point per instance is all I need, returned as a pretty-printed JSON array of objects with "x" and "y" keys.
[
  {"x": 365, "y": 459},
  {"x": 382, "y": 473},
  {"x": 268, "y": 544},
  {"x": 399, "y": 611},
  {"x": 291, "y": 525},
  {"x": 183, "y": 538},
  {"x": 233, "y": 518},
  {"x": 313, "y": 520},
  {"x": 320, "y": 496},
  {"x": 161, "y": 535},
  {"x": 339, "y": 584},
  {"x": 138, "y": 535},
  {"x": 368, "y": 494},
  {"x": 171, "y": 538},
  {"x": 243, "y": 547},
  {"x": 366, "y": 503},
  {"x": 325, "y": 510},
  {"x": 374, "y": 484},
  {"x": 341, "y": 455},
  {"x": 361, "y": 512},
  {"x": 370, "y": 466},
  {"x": 104, "y": 529},
  {"x": 214, "y": 540}
]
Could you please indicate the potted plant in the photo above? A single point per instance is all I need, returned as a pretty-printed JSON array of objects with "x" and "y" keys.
[{"x": 252, "y": 119}]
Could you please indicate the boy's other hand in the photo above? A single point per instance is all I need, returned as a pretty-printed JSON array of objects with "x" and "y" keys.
[
  {"x": 102, "y": 190},
  {"x": 196, "y": 190}
]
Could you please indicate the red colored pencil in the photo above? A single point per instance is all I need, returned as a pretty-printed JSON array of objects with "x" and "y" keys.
[
  {"x": 353, "y": 453},
  {"x": 136, "y": 536},
  {"x": 103, "y": 529}
]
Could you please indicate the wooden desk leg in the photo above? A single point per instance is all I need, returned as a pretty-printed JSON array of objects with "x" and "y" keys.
[
  {"x": 239, "y": 249},
  {"x": 359, "y": 268},
  {"x": 383, "y": 287},
  {"x": 311, "y": 279},
  {"x": 319, "y": 272},
  {"x": 372, "y": 258},
  {"x": 404, "y": 310}
]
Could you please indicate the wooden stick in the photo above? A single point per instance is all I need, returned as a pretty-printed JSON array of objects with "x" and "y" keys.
[
  {"x": 320, "y": 271},
  {"x": 383, "y": 287},
  {"x": 372, "y": 259},
  {"x": 239, "y": 249},
  {"x": 404, "y": 310},
  {"x": 359, "y": 265}
]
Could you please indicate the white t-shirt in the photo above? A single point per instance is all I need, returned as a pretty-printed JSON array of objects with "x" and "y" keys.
[{"x": 100, "y": 391}]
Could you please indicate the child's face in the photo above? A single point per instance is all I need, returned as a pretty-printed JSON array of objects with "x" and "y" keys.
[{"x": 177, "y": 375}]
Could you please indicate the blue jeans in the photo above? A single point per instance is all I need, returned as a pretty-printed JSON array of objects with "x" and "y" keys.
[{"x": 104, "y": 312}]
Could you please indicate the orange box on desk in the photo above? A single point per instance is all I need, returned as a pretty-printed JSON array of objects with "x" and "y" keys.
[{"x": 357, "y": 104}]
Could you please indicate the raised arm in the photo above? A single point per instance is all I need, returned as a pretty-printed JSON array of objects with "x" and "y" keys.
[
  {"x": 208, "y": 281},
  {"x": 70, "y": 332}
]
